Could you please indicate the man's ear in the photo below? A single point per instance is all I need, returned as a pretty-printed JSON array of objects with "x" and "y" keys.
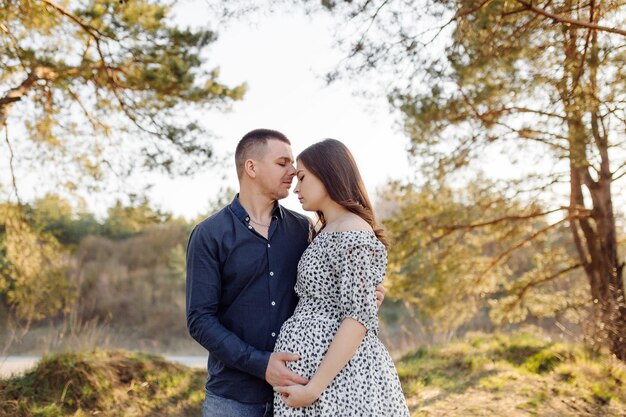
[{"x": 249, "y": 167}]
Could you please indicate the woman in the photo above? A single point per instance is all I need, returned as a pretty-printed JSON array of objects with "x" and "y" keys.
[{"x": 334, "y": 328}]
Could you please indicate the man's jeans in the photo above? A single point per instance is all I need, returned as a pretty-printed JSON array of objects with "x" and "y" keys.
[{"x": 215, "y": 406}]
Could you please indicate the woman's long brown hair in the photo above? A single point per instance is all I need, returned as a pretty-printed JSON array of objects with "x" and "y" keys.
[{"x": 331, "y": 162}]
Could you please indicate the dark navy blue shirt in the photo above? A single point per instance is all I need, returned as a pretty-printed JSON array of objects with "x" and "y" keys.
[{"x": 240, "y": 290}]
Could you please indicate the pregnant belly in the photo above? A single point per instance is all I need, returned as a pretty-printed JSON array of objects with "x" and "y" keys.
[{"x": 308, "y": 337}]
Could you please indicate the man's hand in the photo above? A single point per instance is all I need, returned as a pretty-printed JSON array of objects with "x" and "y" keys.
[
  {"x": 277, "y": 373},
  {"x": 380, "y": 294}
]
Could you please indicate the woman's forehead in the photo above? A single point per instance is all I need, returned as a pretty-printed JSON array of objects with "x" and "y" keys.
[{"x": 300, "y": 166}]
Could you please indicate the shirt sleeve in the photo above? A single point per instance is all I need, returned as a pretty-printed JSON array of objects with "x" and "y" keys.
[
  {"x": 359, "y": 273},
  {"x": 203, "y": 291}
]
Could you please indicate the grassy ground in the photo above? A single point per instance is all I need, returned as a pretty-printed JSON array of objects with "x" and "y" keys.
[
  {"x": 484, "y": 375},
  {"x": 514, "y": 376},
  {"x": 103, "y": 383}
]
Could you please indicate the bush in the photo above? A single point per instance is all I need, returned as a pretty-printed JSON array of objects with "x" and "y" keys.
[{"x": 102, "y": 383}]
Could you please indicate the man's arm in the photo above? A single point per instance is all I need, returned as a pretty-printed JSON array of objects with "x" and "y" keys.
[{"x": 203, "y": 297}]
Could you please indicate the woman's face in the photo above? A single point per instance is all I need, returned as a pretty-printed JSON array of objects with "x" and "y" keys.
[{"x": 310, "y": 190}]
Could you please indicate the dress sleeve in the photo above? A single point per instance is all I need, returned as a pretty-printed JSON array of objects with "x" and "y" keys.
[{"x": 361, "y": 267}]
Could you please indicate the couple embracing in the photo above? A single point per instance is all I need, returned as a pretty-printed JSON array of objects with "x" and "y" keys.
[{"x": 288, "y": 311}]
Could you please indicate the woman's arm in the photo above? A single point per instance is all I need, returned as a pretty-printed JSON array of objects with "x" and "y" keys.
[{"x": 342, "y": 348}]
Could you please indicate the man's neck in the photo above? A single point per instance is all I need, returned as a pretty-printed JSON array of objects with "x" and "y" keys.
[{"x": 257, "y": 205}]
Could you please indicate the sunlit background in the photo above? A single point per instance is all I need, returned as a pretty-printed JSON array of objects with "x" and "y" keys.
[{"x": 490, "y": 135}]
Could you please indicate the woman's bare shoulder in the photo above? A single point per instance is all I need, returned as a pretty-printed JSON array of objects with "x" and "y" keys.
[{"x": 353, "y": 222}]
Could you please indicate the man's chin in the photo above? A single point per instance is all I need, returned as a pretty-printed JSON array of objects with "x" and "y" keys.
[{"x": 281, "y": 195}]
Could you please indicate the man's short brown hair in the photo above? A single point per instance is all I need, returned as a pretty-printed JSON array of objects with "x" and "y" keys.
[{"x": 252, "y": 144}]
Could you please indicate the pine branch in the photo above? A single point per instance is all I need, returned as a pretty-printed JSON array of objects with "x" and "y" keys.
[
  {"x": 92, "y": 31},
  {"x": 503, "y": 219},
  {"x": 616, "y": 175},
  {"x": 97, "y": 37},
  {"x": 530, "y": 238},
  {"x": 11, "y": 168},
  {"x": 15, "y": 94},
  {"x": 570, "y": 22},
  {"x": 522, "y": 291},
  {"x": 452, "y": 228}
]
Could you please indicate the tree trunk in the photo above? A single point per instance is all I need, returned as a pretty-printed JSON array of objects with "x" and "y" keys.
[
  {"x": 595, "y": 235},
  {"x": 608, "y": 286}
]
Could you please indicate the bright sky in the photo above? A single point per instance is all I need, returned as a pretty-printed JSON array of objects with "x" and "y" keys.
[{"x": 282, "y": 58}]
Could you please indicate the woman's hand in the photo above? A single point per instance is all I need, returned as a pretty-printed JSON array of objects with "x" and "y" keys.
[
  {"x": 297, "y": 395},
  {"x": 380, "y": 294}
]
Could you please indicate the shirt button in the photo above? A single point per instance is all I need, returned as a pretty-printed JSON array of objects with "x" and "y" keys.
[
  {"x": 273, "y": 303},
  {"x": 269, "y": 246},
  {"x": 271, "y": 274},
  {"x": 273, "y": 334},
  {"x": 247, "y": 219},
  {"x": 249, "y": 227}
]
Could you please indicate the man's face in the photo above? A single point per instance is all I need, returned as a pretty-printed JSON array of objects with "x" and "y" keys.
[{"x": 275, "y": 170}]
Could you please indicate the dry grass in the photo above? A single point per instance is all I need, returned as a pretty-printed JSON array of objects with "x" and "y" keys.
[
  {"x": 113, "y": 383},
  {"x": 514, "y": 376}
]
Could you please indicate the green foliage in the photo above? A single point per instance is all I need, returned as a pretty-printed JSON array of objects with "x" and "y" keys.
[
  {"x": 499, "y": 373},
  {"x": 103, "y": 383},
  {"x": 107, "y": 85},
  {"x": 603, "y": 380},
  {"x": 34, "y": 267},
  {"x": 55, "y": 215},
  {"x": 128, "y": 270},
  {"x": 484, "y": 373},
  {"x": 450, "y": 256},
  {"x": 127, "y": 220},
  {"x": 547, "y": 359},
  {"x": 537, "y": 87}
]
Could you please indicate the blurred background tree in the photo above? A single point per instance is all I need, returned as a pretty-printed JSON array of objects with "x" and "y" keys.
[
  {"x": 517, "y": 136},
  {"x": 542, "y": 83},
  {"x": 33, "y": 273},
  {"x": 124, "y": 273},
  {"x": 90, "y": 79},
  {"x": 90, "y": 89}
]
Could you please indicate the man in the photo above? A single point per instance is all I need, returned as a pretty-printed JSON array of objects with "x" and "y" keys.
[{"x": 241, "y": 272}]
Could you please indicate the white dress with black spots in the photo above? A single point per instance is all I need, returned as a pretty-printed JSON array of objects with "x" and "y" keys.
[{"x": 337, "y": 276}]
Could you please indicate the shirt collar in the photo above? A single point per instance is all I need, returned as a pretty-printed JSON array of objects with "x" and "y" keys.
[{"x": 242, "y": 215}]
